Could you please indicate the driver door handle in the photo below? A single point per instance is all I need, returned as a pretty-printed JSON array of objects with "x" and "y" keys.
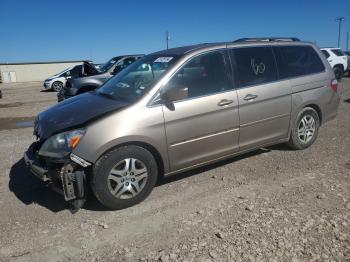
[
  {"x": 250, "y": 97},
  {"x": 225, "y": 102}
]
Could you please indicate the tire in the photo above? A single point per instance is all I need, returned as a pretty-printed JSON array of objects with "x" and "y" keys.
[
  {"x": 57, "y": 86},
  {"x": 338, "y": 72},
  {"x": 110, "y": 177},
  {"x": 300, "y": 138}
]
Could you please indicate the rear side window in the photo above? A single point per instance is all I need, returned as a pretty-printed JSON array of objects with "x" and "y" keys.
[
  {"x": 255, "y": 65},
  {"x": 338, "y": 52},
  {"x": 295, "y": 61},
  {"x": 326, "y": 54}
]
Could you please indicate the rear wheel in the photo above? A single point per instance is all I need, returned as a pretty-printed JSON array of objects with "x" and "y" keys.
[
  {"x": 124, "y": 177},
  {"x": 305, "y": 129},
  {"x": 338, "y": 72},
  {"x": 57, "y": 86}
]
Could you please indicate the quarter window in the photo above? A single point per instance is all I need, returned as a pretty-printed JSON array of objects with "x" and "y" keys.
[
  {"x": 255, "y": 65},
  {"x": 202, "y": 75},
  {"x": 338, "y": 52},
  {"x": 297, "y": 61},
  {"x": 326, "y": 54}
]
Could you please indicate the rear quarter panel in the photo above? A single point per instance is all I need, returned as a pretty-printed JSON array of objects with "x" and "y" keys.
[{"x": 315, "y": 90}]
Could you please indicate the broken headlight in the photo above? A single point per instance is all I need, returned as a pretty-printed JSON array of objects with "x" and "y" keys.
[{"x": 60, "y": 145}]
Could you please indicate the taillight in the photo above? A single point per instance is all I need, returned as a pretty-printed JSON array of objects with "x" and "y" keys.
[{"x": 334, "y": 85}]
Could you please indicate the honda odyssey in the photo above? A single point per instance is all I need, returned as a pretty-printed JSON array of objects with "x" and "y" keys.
[{"x": 182, "y": 108}]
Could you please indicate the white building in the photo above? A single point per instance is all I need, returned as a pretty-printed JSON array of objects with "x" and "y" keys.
[{"x": 34, "y": 71}]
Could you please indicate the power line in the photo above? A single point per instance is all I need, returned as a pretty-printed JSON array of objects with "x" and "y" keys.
[{"x": 339, "y": 20}]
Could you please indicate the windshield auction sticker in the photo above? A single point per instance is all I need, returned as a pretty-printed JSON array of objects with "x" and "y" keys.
[{"x": 163, "y": 59}]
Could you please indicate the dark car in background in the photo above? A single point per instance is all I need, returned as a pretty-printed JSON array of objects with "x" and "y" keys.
[{"x": 97, "y": 77}]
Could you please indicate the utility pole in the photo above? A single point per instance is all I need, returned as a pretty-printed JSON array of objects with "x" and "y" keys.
[
  {"x": 347, "y": 41},
  {"x": 167, "y": 38},
  {"x": 339, "y": 20}
]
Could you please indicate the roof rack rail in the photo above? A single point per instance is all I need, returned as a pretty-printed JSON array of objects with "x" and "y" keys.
[{"x": 268, "y": 39}]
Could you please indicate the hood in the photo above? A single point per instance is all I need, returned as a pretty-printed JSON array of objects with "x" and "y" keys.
[
  {"x": 51, "y": 77},
  {"x": 73, "y": 113}
]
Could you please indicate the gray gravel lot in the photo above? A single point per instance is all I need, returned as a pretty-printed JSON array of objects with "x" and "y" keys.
[{"x": 270, "y": 205}]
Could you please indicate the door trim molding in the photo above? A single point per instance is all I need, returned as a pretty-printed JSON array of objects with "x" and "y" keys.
[
  {"x": 204, "y": 137},
  {"x": 264, "y": 120}
]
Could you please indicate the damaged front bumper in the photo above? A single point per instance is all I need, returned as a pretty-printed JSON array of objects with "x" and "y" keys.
[{"x": 65, "y": 176}]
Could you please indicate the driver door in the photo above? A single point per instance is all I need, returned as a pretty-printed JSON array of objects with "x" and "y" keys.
[{"x": 204, "y": 126}]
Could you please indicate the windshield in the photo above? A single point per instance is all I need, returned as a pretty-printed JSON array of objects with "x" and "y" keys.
[
  {"x": 106, "y": 66},
  {"x": 62, "y": 72},
  {"x": 133, "y": 82}
]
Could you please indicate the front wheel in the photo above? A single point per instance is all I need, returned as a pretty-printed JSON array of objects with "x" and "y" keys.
[
  {"x": 305, "y": 129},
  {"x": 57, "y": 86},
  {"x": 124, "y": 177}
]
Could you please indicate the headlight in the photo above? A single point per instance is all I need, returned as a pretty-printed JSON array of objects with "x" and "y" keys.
[{"x": 62, "y": 144}]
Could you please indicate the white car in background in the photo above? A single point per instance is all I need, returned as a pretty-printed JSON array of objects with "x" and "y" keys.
[
  {"x": 338, "y": 60},
  {"x": 57, "y": 82}
]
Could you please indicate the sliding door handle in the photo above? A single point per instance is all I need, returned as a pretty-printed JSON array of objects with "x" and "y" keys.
[
  {"x": 225, "y": 102},
  {"x": 250, "y": 97}
]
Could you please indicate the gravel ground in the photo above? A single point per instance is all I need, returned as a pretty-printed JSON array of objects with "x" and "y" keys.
[{"x": 270, "y": 205}]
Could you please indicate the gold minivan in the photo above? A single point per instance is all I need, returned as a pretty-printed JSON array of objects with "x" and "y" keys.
[{"x": 181, "y": 108}]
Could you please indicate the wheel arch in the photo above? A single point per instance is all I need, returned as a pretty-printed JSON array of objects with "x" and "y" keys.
[
  {"x": 147, "y": 146},
  {"x": 339, "y": 65},
  {"x": 56, "y": 81},
  {"x": 301, "y": 107},
  {"x": 317, "y": 109}
]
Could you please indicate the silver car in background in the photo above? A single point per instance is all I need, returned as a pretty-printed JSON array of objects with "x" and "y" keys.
[
  {"x": 179, "y": 109},
  {"x": 57, "y": 81}
]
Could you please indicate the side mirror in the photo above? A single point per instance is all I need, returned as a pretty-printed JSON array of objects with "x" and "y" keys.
[{"x": 174, "y": 93}]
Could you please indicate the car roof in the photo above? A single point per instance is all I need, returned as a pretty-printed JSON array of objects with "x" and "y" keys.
[
  {"x": 190, "y": 48},
  {"x": 330, "y": 48},
  {"x": 185, "y": 49},
  {"x": 121, "y": 56}
]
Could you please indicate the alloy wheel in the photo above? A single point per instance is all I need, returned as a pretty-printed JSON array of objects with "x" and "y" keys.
[
  {"x": 127, "y": 178},
  {"x": 306, "y": 129},
  {"x": 57, "y": 86}
]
